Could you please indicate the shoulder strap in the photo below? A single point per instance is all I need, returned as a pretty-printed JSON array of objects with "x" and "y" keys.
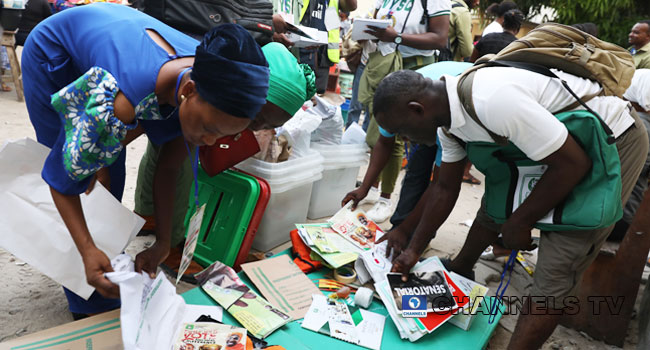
[
  {"x": 547, "y": 72},
  {"x": 464, "y": 90},
  {"x": 425, "y": 13},
  {"x": 465, "y": 84}
]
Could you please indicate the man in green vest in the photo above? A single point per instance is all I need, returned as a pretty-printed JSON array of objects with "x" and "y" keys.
[
  {"x": 323, "y": 15},
  {"x": 517, "y": 104}
]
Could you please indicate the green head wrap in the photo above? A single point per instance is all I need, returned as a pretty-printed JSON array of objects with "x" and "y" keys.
[{"x": 290, "y": 83}]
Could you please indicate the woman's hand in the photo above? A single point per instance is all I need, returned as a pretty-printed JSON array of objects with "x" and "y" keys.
[
  {"x": 96, "y": 263},
  {"x": 387, "y": 34},
  {"x": 149, "y": 259}
]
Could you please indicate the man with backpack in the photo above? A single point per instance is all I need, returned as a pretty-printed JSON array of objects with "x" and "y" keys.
[{"x": 555, "y": 165}]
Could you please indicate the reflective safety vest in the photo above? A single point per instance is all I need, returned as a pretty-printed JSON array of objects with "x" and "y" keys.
[{"x": 333, "y": 35}]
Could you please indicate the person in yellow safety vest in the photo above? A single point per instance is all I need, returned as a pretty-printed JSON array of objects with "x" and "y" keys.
[{"x": 323, "y": 15}]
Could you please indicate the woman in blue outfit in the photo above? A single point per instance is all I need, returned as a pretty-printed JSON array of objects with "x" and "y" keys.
[{"x": 98, "y": 76}]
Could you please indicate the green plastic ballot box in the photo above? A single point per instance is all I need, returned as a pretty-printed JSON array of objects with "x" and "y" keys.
[{"x": 293, "y": 337}]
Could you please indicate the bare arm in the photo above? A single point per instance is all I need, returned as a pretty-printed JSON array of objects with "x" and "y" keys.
[
  {"x": 172, "y": 155},
  {"x": 566, "y": 168},
  {"x": 435, "y": 38},
  {"x": 379, "y": 157},
  {"x": 96, "y": 263},
  {"x": 431, "y": 211}
]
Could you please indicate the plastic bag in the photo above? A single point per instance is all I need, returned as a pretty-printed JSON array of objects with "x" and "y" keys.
[
  {"x": 330, "y": 130},
  {"x": 298, "y": 131},
  {"x": 354, "y": 135}
]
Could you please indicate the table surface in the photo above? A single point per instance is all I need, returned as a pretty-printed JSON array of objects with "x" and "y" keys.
[{"x": 293, "y": 337}]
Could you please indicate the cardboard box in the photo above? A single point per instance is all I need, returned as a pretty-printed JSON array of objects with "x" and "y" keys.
[{"x": 99, "y": 332}]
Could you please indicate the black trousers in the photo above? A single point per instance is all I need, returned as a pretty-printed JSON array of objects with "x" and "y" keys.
[{"x": 416, "y": 180}]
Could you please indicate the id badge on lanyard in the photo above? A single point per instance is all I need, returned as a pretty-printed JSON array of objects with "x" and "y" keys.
[{"x": 195, "y": 221}]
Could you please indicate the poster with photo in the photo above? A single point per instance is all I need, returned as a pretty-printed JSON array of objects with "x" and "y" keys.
[
  {"x": 210, "y": 336},
  {"x": 355, "y": 226}
]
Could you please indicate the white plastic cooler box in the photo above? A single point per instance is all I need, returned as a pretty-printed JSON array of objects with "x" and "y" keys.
[
  {"x": 291, "y": 186},
  {"x": 341, "y": 164}
]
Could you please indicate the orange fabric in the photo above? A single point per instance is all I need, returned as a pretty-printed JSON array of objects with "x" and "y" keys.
[
  {"x": 301, "y": 251},
  {"x": 249, "y": 346}
]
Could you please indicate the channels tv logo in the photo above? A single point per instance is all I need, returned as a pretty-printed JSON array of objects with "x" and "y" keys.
[{"x": 414, "y": 306}]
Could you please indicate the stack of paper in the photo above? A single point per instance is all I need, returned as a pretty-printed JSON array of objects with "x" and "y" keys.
[
  {"x": 318, "y": 37},
  {"x": 461, "y": 289},
  {"x": 360, "y": 26},
  {"x": 325, "y": 243},
  {"x": 476, "y": 295}
]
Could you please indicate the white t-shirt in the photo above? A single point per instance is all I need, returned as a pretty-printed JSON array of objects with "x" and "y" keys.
[
  {"x": 398, "y": 10},
  {"x": 493, "y": 27},
  {"x": 639, "y": 90},
  {"x": 518, "y": 104}
]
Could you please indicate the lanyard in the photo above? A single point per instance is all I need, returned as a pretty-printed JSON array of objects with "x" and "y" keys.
[
  {"x": 494, "y": 307},
  {"x": 195, "y": 170},
  {"x": 178, "y": 84}
]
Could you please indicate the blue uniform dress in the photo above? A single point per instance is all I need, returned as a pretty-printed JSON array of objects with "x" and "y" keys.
[{"x": 105, "y": 38}]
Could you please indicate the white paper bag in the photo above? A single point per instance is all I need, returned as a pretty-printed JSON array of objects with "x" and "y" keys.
[
  {"x": 152, "y": 313},
  {"x": 32, "y": 229}
]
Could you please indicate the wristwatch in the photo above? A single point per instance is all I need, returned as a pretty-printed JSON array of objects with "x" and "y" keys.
[{"x": 398, "y": 39}]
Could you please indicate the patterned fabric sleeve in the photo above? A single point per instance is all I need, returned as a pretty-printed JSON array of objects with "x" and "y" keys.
[{"x": 92, "y": 132}]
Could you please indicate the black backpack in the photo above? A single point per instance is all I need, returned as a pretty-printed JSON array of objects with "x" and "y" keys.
[
  {"x": 197, "y": 17},
  {"x": 445, "y": 53}
]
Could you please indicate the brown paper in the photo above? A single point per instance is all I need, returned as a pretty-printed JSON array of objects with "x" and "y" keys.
[{"x": 283, "y": 284}]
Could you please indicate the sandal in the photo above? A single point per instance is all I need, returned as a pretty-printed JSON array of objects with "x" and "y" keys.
[
  {"x": 5, "y": 87},
  {"x": 471, "y": 180}
]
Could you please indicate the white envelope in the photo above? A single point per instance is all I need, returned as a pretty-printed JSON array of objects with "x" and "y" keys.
[{"x": 32, "y": 229}]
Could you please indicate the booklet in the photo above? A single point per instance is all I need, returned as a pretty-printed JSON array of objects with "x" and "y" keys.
[
  {"x": 360, "y": 25},
  {"x": 334, "y": 318},
  {"x": 208, "y": 335},
  {"x": 355, "y": 226},
  {"x": 256, "y": 314},
  {"x": 432, "y": 285}
]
